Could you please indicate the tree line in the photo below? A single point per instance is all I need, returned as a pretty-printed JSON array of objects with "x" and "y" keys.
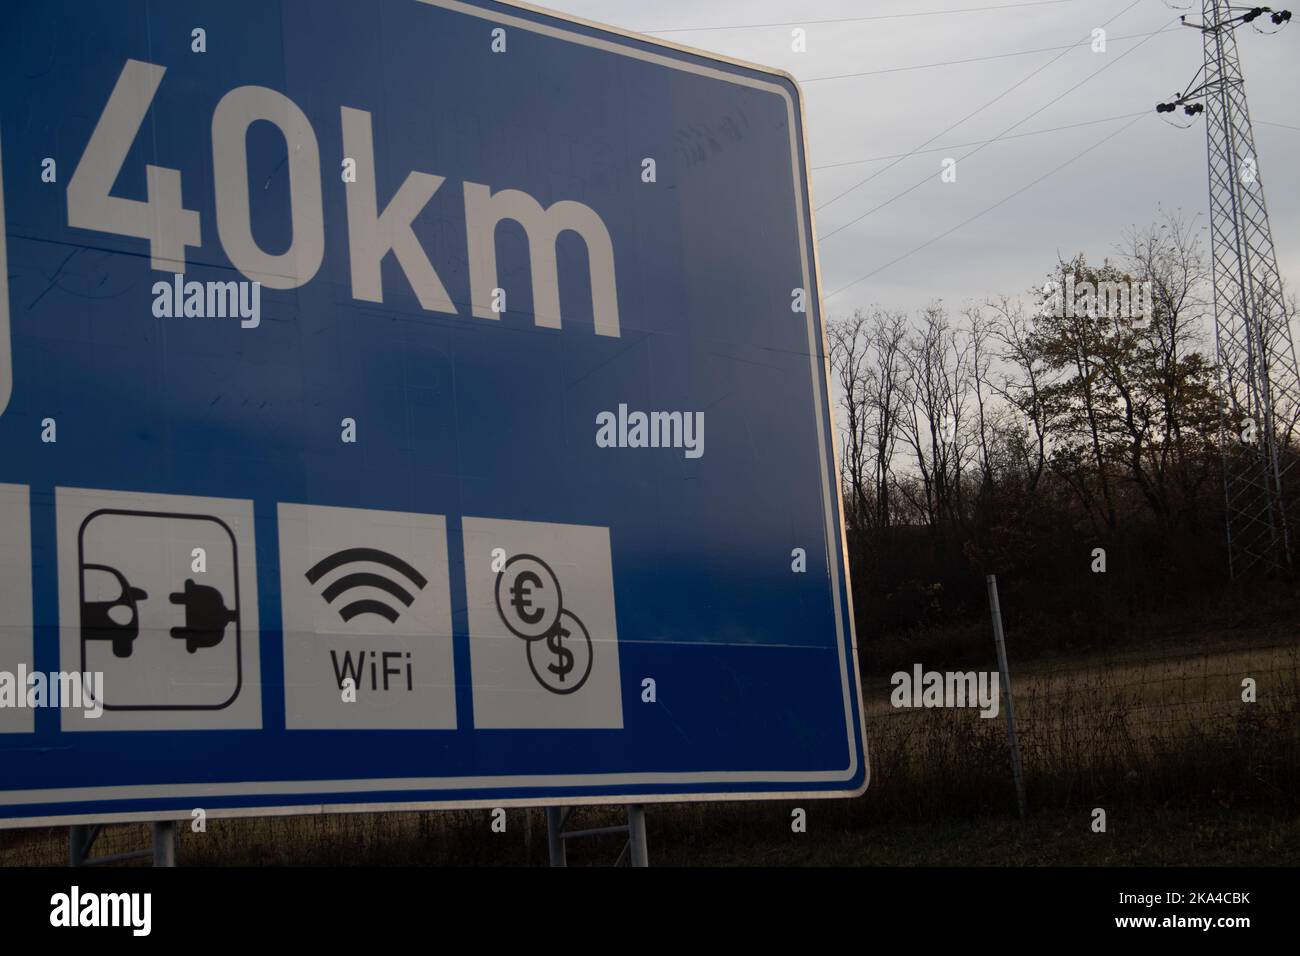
[{"x": 1067, "y": 439}]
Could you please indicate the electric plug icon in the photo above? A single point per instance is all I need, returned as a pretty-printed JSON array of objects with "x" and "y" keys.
[{"x": 206, "y": 616}]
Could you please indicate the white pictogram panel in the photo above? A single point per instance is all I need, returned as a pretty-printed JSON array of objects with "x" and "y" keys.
[
  {"x": 159, "y": 594},
  {"x": 543, "y": 641},
  {"x": 15, "y": 606},
  {"x": 367, "y": 619}
]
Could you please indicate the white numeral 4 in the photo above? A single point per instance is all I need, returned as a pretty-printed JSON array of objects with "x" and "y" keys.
[{"x": 162, "y": 220}]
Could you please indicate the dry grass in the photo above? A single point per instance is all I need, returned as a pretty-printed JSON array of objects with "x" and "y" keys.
[{"x": 1151, "y": 725}]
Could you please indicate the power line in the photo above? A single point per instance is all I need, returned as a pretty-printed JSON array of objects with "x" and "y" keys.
[
  {"x": 979, "y": 59},
  {"x": 921, "y": 182},
  {"x": 974, "y": 112},
  {"x": 1000, "y": 139},
  {"x": 979, "y": 142},
  {"x": 887, "y": 16},
  {"x": 911, "y": 252}
]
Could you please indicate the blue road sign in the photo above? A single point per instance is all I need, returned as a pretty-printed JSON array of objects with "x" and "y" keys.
[{"x": 410, "y": 404}]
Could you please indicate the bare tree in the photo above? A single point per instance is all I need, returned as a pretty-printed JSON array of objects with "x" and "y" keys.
[
  {"x": 885, "y": 400},
  {"x": 980, "y": 333},
  {"x": 1023, "y": 389},
  {"x": 932, "y": 424},
  {"x": 849, "y": 345}
]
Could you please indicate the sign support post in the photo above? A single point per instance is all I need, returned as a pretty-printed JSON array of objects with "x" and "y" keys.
[
  {"x": 636, "y": 835},
  {"x": 164, "y": 843},
  {"x": 555, "y": 817},
  {"x": 634, "y": 849},
  {"x": 82, "y": 837},
  {"x": 79, "y": 840}
]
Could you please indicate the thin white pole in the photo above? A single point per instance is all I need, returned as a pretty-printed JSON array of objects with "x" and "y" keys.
[
  {"x": 78, "y": 844},
  {"x": 164, "y": 843},
  {"x": 554, "y": 838},
  {"x": 1000, "y": 642},
  {"x": 636, "y": 835}
]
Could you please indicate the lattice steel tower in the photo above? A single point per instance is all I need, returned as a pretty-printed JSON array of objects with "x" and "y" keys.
[{"x": 1258, "y": 374}]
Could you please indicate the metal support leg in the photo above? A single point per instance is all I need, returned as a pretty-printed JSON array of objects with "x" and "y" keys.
[
  {"x": 164, "y": 843},
  {"x": 634, "y": 850},
  {"x": 78, "y": 844},
  {"x": 636, "y": 835},
  {"x": 528, "y": 836},
  {"x": 554, "y": 839}
]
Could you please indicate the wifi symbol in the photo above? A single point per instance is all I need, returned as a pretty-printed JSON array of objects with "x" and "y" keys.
[{"x": 366, "y": 579}]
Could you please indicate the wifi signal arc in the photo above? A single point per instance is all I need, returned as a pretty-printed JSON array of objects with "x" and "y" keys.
[
  {"x": 355, "y": 555},
  {"x": 348, "y": 612},
  {"x": 366, "y": 579}
]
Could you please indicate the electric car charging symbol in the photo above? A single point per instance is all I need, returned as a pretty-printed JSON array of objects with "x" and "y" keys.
[
  {"x": 111, "y": 601},
  {"x": 118, "y": 621},
  {"x": 152, "y": 599}
]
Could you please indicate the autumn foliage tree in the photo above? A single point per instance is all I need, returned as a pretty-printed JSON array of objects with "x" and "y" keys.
[{"x": 1028, "y": 432}]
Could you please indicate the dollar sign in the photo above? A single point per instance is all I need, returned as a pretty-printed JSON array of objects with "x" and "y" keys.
[{"x": 563, "y": 656}]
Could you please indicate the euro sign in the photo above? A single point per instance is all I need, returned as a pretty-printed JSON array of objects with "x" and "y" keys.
[{"x": 521, "y": 600}]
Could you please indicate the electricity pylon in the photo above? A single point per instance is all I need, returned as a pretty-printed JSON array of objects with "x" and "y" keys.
[{"x": 1258, "y": 375}]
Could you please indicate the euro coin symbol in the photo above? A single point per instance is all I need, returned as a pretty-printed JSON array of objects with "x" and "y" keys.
[
  {"x": 520, "y": 597},
  {"x": 528, "y": 597}
]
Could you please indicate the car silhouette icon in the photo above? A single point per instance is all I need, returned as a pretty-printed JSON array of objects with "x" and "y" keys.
[{"x": 116, "y": 621}]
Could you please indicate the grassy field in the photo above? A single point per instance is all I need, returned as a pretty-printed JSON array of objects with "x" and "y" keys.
[
  {"x": 1158, "y": 736},
  {"x": 1158, "y": 725},
  {"x": 726, "y": 835}
]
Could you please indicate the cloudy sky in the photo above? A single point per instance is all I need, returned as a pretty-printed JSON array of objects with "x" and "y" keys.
[{"x": 904, "y": 103}]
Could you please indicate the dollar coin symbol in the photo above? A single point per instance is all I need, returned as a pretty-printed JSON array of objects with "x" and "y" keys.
[
  {"x": 563, "y": 656},
  {"x": 561, "y": 660}
]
